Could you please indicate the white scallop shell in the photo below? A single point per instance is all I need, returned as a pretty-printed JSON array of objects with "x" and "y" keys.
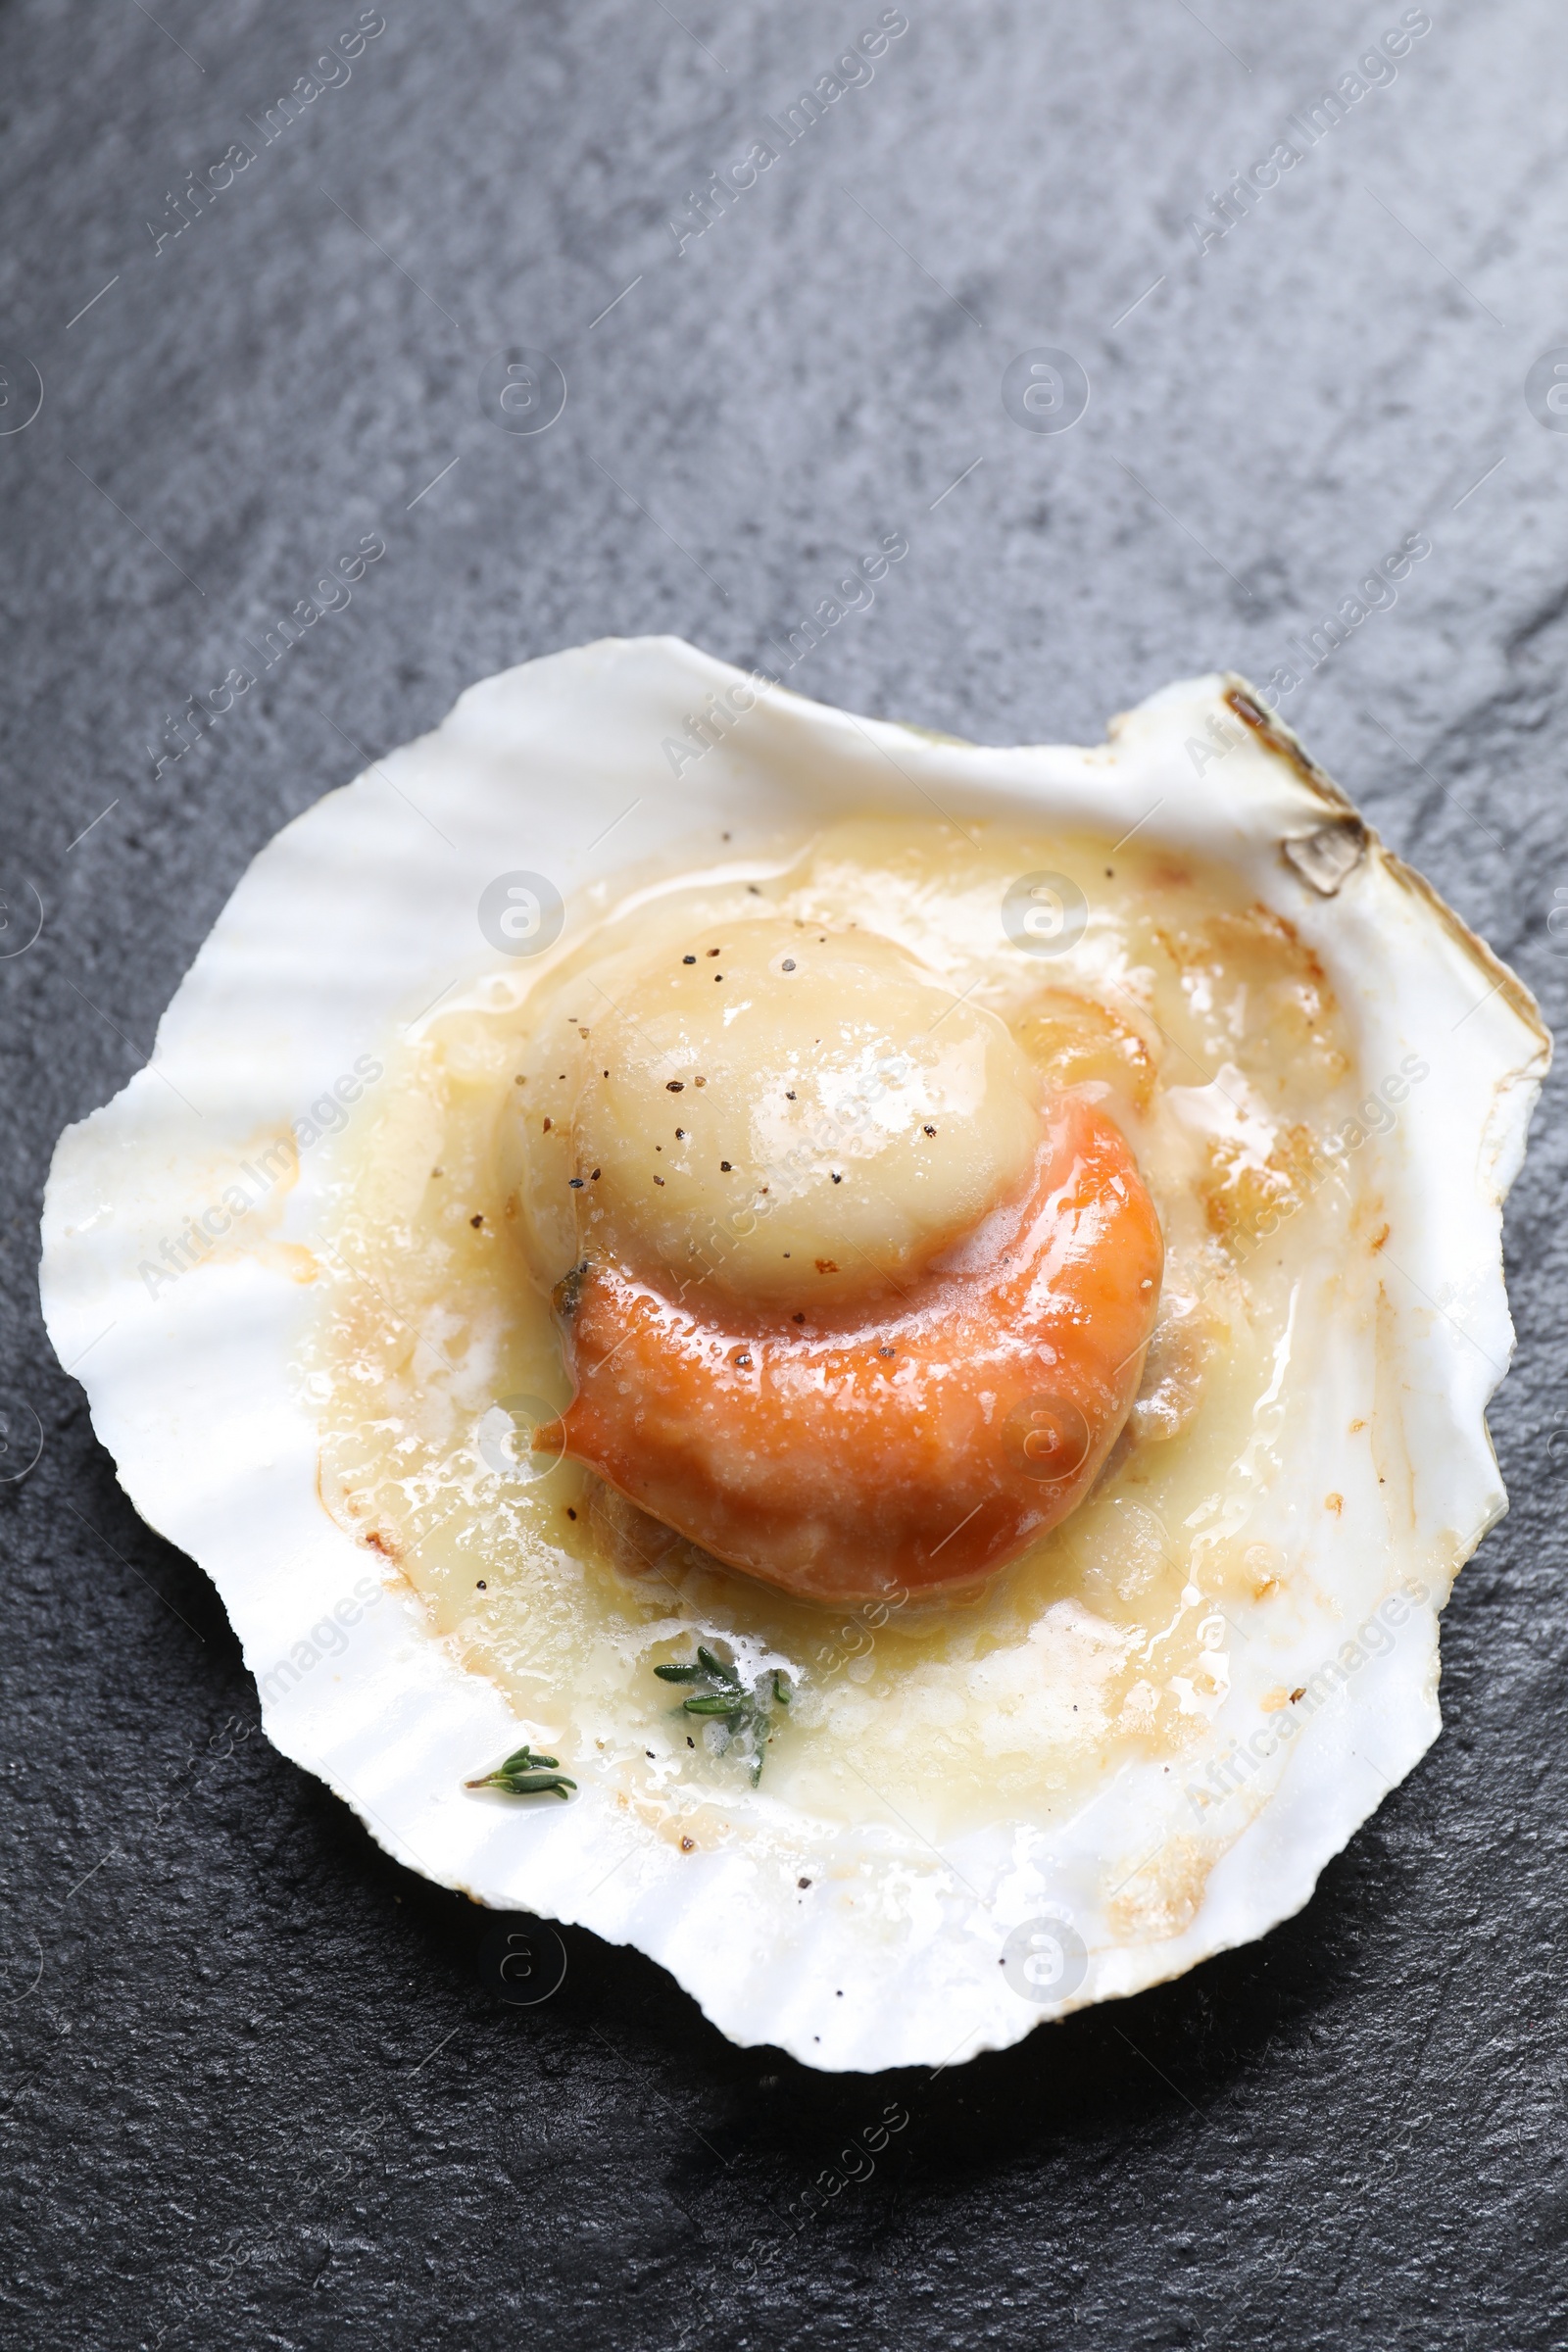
[{"x": 363, "y": 911}]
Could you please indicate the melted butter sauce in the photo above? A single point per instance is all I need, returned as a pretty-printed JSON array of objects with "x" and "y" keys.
[{"x": 1194, "y": 1017}]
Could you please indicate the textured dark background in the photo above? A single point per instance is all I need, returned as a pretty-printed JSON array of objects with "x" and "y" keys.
[{"x": 256, "y": 2089}]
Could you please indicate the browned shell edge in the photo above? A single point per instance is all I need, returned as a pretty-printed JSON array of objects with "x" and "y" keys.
[{"x": 1245, "y": 700}]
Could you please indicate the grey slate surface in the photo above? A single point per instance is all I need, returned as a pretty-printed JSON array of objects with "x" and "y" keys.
[{"x": 256, "y": 2090}]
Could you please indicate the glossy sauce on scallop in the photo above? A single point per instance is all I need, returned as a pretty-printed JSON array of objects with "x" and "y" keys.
[{"x": 791, "y": 1114}]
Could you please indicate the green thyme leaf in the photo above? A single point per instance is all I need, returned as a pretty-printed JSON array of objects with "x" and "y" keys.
[
  {"x": 523, "y": 1774},
  {"x": 742, "y": 1714}
]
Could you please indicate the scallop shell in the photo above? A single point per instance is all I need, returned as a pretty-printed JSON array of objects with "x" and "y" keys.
[{"x": 359, "y": 914}]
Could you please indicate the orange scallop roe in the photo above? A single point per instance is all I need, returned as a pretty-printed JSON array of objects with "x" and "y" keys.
[{"x": 850, "y": 1454}]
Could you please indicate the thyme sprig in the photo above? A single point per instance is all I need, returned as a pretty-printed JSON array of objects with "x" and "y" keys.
[
  {"x": 523, "y": 1774},
  {"x": 745, "y": 1714}
]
